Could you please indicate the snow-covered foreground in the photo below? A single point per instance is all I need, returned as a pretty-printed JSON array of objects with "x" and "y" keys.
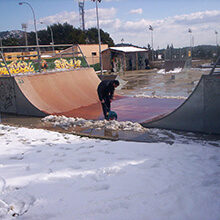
[{"x": 49, "y": 175}]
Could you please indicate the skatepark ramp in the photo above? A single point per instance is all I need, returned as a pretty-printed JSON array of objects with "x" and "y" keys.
[
  {"x": 199, "y": 113},
  {"x": 48, "y": 93},
  {"x": 170, "y": 65}
]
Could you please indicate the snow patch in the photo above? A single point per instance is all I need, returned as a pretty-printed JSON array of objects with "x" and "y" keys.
[
  {"x": 68, "y": 122},
  {"x": 159, "y": 96},
  {"x": 176, "y": 70}
]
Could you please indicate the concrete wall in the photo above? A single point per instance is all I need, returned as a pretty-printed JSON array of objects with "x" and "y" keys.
[{"x": 91, "y": 52}]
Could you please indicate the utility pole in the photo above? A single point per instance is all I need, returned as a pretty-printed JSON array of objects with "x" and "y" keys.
[
  {"x": 216, "y": 33},
  {"x": 24, "y": 26},
  {"x": 190, "y": 43},
  {"x": 99, "y": 37},
  {"x": 151, "y": 29},
  {"x": 82, "y": 13}
]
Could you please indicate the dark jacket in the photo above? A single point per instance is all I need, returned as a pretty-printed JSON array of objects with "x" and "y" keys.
[{"x": 106, "y": 89}]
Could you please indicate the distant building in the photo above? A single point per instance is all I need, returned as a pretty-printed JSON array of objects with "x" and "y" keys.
[
  {"x": 117, "y": 59},
  {"x": 90, "y": 51}
]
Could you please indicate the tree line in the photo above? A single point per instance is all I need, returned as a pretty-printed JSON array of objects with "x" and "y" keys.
[{"x": 62, "y": 34}]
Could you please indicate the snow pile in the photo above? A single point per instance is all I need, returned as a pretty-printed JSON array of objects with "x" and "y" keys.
[
  {"x": 50, "y": 175},
  {"x": 176, "y": 70},
  {"x": 71, "y": 122},
  {"x": 159, "y": 96}
]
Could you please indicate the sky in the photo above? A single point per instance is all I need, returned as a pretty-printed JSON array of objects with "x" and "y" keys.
[{"x": 125, "y": 19}]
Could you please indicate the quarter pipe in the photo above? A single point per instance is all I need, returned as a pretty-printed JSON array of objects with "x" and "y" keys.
[
  {"x": 199, "y": 113},
  {"x": 48, "y": 93}
]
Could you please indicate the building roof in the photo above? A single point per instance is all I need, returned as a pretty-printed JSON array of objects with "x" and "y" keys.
[{"x": 128, "y": 49}]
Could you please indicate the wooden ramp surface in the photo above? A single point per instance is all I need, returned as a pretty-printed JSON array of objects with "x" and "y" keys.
[{"x": 59, "y": 92}]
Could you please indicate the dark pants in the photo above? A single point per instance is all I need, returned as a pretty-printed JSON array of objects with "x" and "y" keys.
[{"x": 106, "y": 106}]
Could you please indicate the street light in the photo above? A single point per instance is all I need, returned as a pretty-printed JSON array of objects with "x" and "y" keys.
[
  {"x": 1, "y": 44},
  {"x": 97, "y": 15},
  {"x": 152, "y": 44},
  {"x": 216, "y": 33},
  {"x": 24, "y": 26},
  {"x": 51, "y": 35},
  {"x": 35, "y": 26},
  {"x": 190, "y": 42}
]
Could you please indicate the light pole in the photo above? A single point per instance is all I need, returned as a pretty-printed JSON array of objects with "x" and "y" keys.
[
  {"x": 152, "y": 43},
  {"x": 190, "y": 42},
  {"x": 24, "y": 26},
  {"x": 216, "y": 33},
  {"x": 51, "y": 36},
  {"x": 1, "y": 44},
  {"x": 35, "y": 26},
  {"x": 100, "y": 54}
]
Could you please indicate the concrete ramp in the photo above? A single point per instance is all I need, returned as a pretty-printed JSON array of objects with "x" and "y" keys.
[
  {"x": 172, "y": 64},
  {"x": 199, "y": 113},
  {"x": 49, "y": 93}
]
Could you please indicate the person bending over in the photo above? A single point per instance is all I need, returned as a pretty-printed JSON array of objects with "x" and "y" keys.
[{"x": 105, "y": 91}]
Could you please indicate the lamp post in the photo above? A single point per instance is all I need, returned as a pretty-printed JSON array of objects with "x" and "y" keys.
[
  {"x": 24, "y": 26},
  {"x": 51, "y": 32},
  {"x": 190, "y": 42},
  {"x": 97, "y": 15},
  {"x": 1, "y": 44},
  {"x": 152, "y": 43},
  {"x": 35, "y": 26},
  {"x": 216, "y": 33}
]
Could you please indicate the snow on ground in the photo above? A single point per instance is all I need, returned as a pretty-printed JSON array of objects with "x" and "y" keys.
[
  {"x": 112, "y": 125},
  {"x": 50, "y": 175},
  {"x": 159, "y": 96},
  {"x": 176, "y": 70}
]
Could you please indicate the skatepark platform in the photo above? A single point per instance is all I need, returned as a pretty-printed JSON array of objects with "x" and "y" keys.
[{"x": 170, "y": 65}]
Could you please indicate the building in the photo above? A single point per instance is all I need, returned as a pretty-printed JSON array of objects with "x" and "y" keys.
[
  {"x": 90, "y": 51},
  {"x": 117, "y": 59}
]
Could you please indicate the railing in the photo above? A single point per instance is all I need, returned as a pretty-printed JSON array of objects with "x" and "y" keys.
[
  {"x": 215, "y": 65},
  {"x": 24, "y": 59}
]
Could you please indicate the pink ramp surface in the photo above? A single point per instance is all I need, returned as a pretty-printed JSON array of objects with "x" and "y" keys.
[
  {"x": 129, "y": 109},
  {"x": 59, "y": 92},
  {"x": 143, "y": 109}
]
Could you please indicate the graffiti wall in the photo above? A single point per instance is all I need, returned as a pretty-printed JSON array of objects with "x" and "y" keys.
[
  {"x": 117, "y": 62},
  {"x": 16, "y": 67},
  {"x": 64, "y": 64},
  {"x": 7, "y": 95}
]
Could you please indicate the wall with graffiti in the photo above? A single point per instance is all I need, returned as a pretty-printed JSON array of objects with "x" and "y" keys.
[
  {"x": 7, "y": 96},
  {"x": 16, "y": 67},
  {"x": 117, "y": 62},
  {"x": 65, "y": 64},
  {"x": 121, "y": 61}
]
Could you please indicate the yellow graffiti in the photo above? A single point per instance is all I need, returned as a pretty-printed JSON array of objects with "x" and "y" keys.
[
  {"x": 64, "y": 64},
  {"x": 16, "y": 67}
]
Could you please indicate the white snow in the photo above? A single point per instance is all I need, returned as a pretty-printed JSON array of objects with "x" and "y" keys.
[
  {"x": 50, "y": 175},
  {"x": 160, "y": 96},
  {"x": 176, "y": 70},
  {"x": 68, "y": 122}
]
